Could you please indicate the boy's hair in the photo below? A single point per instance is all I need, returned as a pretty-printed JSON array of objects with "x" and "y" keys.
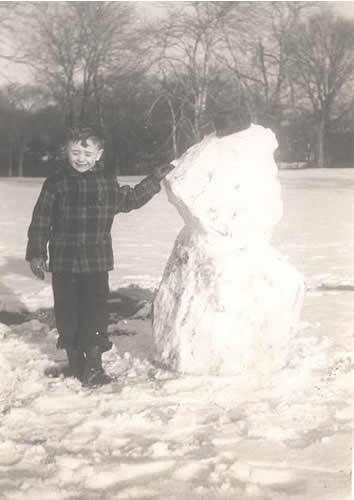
[{"x": 82, "y": 134}]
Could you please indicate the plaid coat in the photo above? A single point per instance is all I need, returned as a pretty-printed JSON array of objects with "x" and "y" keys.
[{"x": 75, "y": 212}]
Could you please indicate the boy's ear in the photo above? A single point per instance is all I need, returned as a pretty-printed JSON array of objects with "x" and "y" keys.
[{"x": 99, "y": 154}]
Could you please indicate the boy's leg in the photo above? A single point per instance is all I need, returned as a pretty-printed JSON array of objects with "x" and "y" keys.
[
  {"x": 93, "y": 322},
  {"x": 93, "y": 311},
  {"x": 65, "y": 292}
]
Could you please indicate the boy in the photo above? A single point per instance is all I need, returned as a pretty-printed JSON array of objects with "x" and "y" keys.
[{"x": 74, "y": 213}]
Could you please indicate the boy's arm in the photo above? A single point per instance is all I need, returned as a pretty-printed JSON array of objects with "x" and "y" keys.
[
  {"x": 39, "y": 229},
  {"x": 130, "y": 198}
]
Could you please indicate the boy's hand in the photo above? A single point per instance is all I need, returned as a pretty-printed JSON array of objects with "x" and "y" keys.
[
  {"x": 39, "y": 267},
  {"x": 161, "y": 171}
]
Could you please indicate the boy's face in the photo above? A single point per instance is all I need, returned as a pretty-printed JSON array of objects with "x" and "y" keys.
[{"x": 83, "y": 158}]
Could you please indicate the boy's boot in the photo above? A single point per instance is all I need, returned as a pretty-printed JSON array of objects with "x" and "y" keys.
[
  {"x": 94, "y": 373},
  {"x": 76, "y": 360}
]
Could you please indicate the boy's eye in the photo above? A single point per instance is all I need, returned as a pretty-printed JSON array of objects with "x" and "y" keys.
[{"x": 87, "y": 153}]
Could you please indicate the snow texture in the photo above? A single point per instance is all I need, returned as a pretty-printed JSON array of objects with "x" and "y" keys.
[
  {"x": 205, "y": 437},
  {"x": 228, "y": 301}
]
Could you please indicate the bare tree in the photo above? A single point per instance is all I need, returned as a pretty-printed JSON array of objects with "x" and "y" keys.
[
  {"x": 10, "y": 25},
  {"x": 54, "y": 52},
  {"x": 108, "y": 42},
  {"x": 168, "y": 100},
  {"x": 322, "y": 52},
  {"x": 8, "y": 18},
  {"x": 257, "y": 54},
  {"x": 74, "y": 46},
  {"x": 186, "y": 43},
  {"x": 22, "y": 101}
]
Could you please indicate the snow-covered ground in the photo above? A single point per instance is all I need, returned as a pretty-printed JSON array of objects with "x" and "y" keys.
[{"x": 157, "y": 435}]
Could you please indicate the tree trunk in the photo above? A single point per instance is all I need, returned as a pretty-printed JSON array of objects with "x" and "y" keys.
[
  {"x": 69, "y": 111},
  {"x": 21, "y": 158},
  {"x": 174, "y": 128},
  {"x": 83, "y": 114},
  {"x": 10, "y": 160},
  {"x": 199, "y": 113},
  {"x": 321, "y": 133},
  {"x": 98, "y": 102}
]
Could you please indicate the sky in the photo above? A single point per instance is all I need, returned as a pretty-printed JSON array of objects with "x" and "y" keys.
[{"x": 346, "y": 9}]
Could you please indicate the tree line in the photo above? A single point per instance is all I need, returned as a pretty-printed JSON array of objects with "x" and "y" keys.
[{"x": 154, "y": 84}]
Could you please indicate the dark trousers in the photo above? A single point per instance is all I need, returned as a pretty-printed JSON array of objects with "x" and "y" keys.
[{"x": 81, "y": 312}]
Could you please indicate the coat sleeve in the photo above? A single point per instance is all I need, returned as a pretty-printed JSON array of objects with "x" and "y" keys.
[
  {"x": 39, "y": 229},
  {"x": 130, "y": 198}
]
